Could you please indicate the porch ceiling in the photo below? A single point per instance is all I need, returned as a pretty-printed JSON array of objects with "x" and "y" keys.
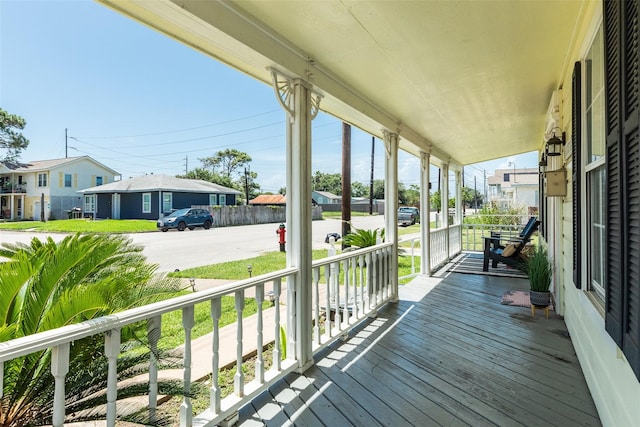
[{"x": 470, "y": 79}]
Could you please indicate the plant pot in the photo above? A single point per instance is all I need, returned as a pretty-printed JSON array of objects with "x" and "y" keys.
[{"x": 540, "y": 299}]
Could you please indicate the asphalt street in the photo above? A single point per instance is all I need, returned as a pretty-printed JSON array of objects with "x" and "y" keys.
[{"x": 180, "y": 250}]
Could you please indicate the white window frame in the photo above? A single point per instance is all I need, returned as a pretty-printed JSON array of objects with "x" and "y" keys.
[
  {"x": 222, "y": 199},
  {"x": 90, "y": 203},
  {"x": 213, "y": 199},
  {"x": 146, "y": 202},
  {"x": 594, "y": 249},
  {"x": 167, "y": 201},
  {"x": 43, "y": 179}
]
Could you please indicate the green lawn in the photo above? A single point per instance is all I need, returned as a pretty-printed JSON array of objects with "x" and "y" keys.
[{"x": 83, "y": 226}]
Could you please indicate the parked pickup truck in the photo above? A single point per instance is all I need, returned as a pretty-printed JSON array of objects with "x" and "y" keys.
[{"x": 408, "y": 216}]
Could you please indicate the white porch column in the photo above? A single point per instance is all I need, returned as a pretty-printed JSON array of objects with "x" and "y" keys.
[
  {"x": 444, "y": 200},
  {"x": 390, "y": 140},
  {"x": 296, "y": 98},
  {"x": 425, "y": 214},
  {"x": 459, "y": 201}
]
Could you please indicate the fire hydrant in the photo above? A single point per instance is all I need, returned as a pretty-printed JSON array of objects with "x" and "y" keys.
[{"x": 281, "y": 232}]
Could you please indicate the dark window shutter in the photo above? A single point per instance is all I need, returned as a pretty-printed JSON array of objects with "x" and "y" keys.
[
  {"x": 576, "y": 160},
  {"x": 631, "y": 158},
  {"x": 613, "y": 295},
  {"x": 622, "y": 85}
]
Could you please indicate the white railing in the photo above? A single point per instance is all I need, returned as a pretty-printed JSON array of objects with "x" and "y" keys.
[
  {"x": 475, "y": 228},
  {"x": 455, "y": 240},
  {"x": 414, "y": 245},
  {"x": 438, "y": 250},
  {"x": 357, "y": 283}
]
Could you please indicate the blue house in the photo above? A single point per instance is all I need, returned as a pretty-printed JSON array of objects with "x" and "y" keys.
[{"x": 149, "y": 196}]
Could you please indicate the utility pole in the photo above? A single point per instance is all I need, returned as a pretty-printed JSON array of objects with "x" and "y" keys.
[
  {"x": 346, "y": 180},
  {"x": 246, "y": 184},
  {"x": 186, "y": 165},
  {"x": 485, "y": 185},
  {"x": 373, "y": 151},
  {"x": 475, "y": 193},
  {"x": 66, "y": 145}
]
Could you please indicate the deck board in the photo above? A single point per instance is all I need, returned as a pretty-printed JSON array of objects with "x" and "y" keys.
[{"x": 456, "y": 357}]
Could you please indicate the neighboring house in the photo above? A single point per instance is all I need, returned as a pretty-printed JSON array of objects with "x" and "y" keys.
[
  {"x": 519, "y": 187},
  {"x": 325, "y": 198},
  {"x": 149, "y": 196},
  {"x": 25, "y": 186},
  {"x": 269, "y": 200}
]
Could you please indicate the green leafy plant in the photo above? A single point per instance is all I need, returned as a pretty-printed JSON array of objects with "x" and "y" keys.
[
  {"x": 539, "y": 269},
  {"x": 363, "y": 238},
  {"x": 47, "y": 285}
]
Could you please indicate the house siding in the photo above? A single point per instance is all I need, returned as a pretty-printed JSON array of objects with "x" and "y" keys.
[
  {"x": 613, "y": 385},
  {"x": 103, "y": 206},
  {"x": 186, "y": 200},
  {"x": 131, "y": 206}
]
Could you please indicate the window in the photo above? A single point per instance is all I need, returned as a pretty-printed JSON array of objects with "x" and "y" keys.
[
  {"x": 212, "y": 200},
  {"x": 146, "y": 202},
  {"x": 67, "y": 180},
  {"x": 506, "y": 177},
  {"x": 167, "y": 202},
  {"x": 594, "y": 165},
  {"x": 222, "y": 199},
  {"x": 90, "y": 203},
  {"x": 98, "y": 180},
  {"x": 42, "y": 180}
]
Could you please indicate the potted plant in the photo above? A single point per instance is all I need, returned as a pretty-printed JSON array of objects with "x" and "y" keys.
[{"x": 539, "y": 269}]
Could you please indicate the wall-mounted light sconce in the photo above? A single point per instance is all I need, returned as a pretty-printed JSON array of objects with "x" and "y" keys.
[
  {"x": 555, "y": 144},
  {"x": 543, "y": 162}
]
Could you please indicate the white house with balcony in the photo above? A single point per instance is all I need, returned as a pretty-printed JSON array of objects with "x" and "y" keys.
[
  {"x": 515, "y": 188},
  {"x": 30, "y": 189}
]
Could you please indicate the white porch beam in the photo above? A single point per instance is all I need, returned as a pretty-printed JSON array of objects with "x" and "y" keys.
[
  {"x": 425, "y": 214},
  {"x": 390, "y": 140}
]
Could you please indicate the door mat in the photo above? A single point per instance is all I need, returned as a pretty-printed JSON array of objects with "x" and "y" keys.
[{"x": 519, "y": 299}]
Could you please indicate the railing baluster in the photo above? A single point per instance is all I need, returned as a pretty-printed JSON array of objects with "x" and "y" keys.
[
  {"x": 1, "y": 378},
  {"x": 214, "y": 391},
  {"x": 154, "y": 326},
  {"x": 335, "y": 280},
  {"x": 259, "y": 334},
  {"x": 238, "y": 380},
  {"x": 361, "y": 270},
  {"x": 375, "y": 261},
  {"x": 316, "y": 288},
  {"x": 111, "y": 350},
  {"x": 186, "y": 410},
  {"x": 327, "y": 326},
  {"x": 347, "y": 272},
  {"x": 354, "y": 270},
  {"x": 59, "y": 370},
  {"x": 277, "y": 356}
]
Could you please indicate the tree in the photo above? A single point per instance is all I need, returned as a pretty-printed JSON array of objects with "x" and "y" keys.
[
  {"x": 249, "y": 184},
  {"x": 331, "y": 182},
  {"x": 358, "y": 189},
  {"x": 10, "y": 139},
  {"x": 412, "y": 195},
  {"x": 46, "y": 285},
  {"x": 227, "y": 162}
]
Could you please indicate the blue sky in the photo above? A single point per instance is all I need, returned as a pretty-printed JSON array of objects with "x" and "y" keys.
[{"x": 140, "y": 102}]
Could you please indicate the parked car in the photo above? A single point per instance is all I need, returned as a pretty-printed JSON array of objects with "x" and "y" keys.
[
  {"x": 186, "y": 218},
  {"x": 408, "y": 215}
]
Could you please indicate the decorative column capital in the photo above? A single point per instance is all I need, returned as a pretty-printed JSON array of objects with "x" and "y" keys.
[
  {"x": 425, "y": 157},
  {"x": 283, "y": 86}
]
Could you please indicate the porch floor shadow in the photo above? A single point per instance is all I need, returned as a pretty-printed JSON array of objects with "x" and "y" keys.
[{"x": 447, "y": 354}]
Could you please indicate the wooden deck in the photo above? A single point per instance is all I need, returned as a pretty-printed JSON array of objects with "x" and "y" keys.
[{"x": 454, "y": 357}]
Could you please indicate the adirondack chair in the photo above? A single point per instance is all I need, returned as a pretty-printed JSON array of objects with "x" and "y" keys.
[
  {"x": 506, "y": 238},
  {"x": 508, "y": 253}
]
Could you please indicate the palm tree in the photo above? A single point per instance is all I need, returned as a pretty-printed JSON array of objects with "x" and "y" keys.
[{"x": 47, "y": 285}]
